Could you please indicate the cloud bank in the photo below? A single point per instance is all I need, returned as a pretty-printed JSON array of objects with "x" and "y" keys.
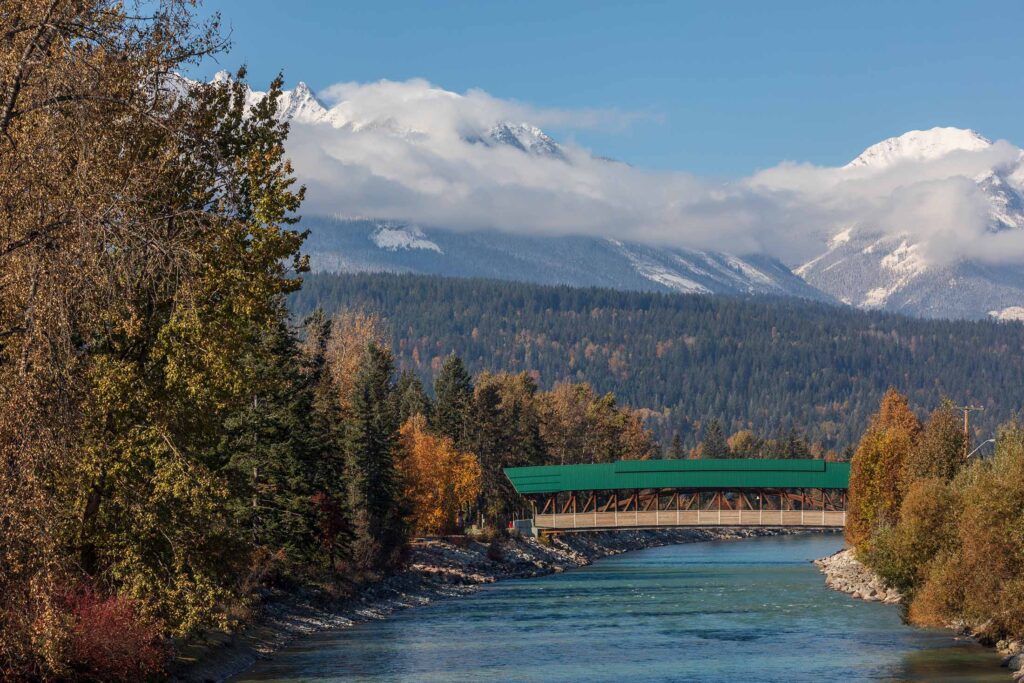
[{"x": 412, "y": 151}]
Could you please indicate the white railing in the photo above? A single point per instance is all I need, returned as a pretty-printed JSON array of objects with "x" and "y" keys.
[{"x": 670, "y": 518}]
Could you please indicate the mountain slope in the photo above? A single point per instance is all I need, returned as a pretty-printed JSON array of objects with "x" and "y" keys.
[
  {"x": 765, "y": 363},
  {"x": 440, "y": 158},
  {"x": 870, "y": 268},
  {"x": 349, "y": 246}
]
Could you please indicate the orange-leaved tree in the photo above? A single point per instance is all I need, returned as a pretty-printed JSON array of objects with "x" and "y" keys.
[
  {"x": 876, "y": 471},
  {"x": 439, "y": 479}
]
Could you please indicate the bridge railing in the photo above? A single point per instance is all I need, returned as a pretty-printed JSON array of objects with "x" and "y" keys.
[{"x": 668, "y": 518}]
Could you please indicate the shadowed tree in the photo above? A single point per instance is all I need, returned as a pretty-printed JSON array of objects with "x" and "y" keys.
[
  {"x": 714, "y": 445},
  {"x": 371, "y": 442},
  {"x": 410, "y": 397},
  {"x": 453, "y": 399}
]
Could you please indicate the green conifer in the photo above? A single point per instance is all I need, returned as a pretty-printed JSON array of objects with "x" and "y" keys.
[
  {"x": 453, "y": 391},
  {"x": 714, "y": 445},
  {"x": 372, "y": 437}
]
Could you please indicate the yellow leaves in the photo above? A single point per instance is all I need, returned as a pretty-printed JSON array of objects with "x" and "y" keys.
[
  {"x": 578, "y": 425},
  {"x": 439, "y": 479},
  {"x": 894, "y": 413},
  {"x": 351, "y": 332},
  {"x": 876, "y": 471}
]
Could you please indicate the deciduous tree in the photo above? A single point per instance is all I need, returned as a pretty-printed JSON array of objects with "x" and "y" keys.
[
  {"x": 876, "y": 472},
  {"x": 440, "y": 481}
]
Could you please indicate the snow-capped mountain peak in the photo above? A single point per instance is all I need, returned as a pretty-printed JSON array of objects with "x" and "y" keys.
[
  {"x": 919, "y": 145},
  {"x": 301, "y": 105},
  {"x": 522, "y": 136},
  {"x": 871, "y": 267},
  {"x": 880, "y": 219}
]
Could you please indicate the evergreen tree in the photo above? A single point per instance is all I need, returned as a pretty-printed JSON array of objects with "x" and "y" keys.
[
  {"x": 793, "y": 446},
  {"x": 676, "y": 452},
  {"x": 326, "y": 429},
  {"x": 714, "y": 445},
  {"x": 269, "y": 447},
  {"x": 410, "y": 397},
  {"x": 453, "y": 399},
  {"x": 372, "y": 436},
  {"x": 506, "y": 433}
]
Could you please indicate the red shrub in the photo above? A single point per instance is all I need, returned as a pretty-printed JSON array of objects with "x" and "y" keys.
[{"x": 111, "y": 641}]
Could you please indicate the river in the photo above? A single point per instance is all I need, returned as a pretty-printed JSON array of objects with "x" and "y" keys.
[{"x": 748, "y": 610}]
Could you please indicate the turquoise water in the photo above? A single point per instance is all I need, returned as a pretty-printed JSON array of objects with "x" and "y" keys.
[{"x": 750, "y": 610}]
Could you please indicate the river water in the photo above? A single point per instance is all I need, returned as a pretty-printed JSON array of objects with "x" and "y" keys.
[{"x": 747, "y": 610}]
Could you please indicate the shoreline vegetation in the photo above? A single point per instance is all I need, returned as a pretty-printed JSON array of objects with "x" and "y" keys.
[
  {"x": 936, "y": 526},
  {"x": 846, "y": 574},
  {"x": 439, "y": 568}
]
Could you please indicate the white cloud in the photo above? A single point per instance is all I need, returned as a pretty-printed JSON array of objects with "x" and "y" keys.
[{"x": 405, "y": 150}]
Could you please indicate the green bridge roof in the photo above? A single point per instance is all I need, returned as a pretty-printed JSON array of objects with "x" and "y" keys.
[{"x": 683, "y": 474}]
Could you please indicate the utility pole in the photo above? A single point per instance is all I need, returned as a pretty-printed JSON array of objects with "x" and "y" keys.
[{"x": 968, "y": 409}]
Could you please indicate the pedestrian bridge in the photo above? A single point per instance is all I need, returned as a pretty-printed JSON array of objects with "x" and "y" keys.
[{"x": 646, "y": 494}]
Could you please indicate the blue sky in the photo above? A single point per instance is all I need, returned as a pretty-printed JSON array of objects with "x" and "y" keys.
[{"x": 725, "y": 88}]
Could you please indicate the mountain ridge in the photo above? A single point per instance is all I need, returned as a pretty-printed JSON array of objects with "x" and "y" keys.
[{"x": 861, "y": 263}]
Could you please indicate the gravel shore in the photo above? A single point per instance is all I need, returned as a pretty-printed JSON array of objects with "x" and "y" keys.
[{"x": 438, "y": 569}]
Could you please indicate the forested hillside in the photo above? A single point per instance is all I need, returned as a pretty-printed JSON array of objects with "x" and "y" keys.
[{"x": 764, "y": 364}]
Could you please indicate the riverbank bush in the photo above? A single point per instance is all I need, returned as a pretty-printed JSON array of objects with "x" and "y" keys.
[{"x": 954, "y": 547}]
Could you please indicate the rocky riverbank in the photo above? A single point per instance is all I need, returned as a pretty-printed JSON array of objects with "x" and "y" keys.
[
  {"x": 438, "y": 569},
  {"x": 844, "y": 572}
]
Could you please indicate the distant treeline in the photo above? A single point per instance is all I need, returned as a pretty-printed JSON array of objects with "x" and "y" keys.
[{"x": 770, "y": 365}]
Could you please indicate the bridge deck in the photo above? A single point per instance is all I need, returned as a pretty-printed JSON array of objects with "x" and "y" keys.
[{"x": 639, "y": 519}]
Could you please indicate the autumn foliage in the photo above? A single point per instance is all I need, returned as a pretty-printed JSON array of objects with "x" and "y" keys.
[
  {"x": 110, "y": 640},
  {"x": 440, "y": 481},
  {"x": 944, "y": 532},
  {"x": 876, "y": 471}
]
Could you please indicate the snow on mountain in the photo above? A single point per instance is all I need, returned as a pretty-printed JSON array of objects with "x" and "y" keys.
[
  {"x": 1009, "y": 313},
  {"x": 869, "y": 268},
  {"x": 919, "y": 145},
  {"x": 302, "y": 106},
  {"x": 521, "y": 136},
  {"x": 389, "y": 246},
  {"x": 395, "y": 237},
  {"x": 927, "y": 180}
]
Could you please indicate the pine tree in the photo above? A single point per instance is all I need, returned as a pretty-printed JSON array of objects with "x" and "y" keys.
[
  {"x": 410, "y": 398},
  {"x": 453, "y": 392},
  {"x": 505, "y": 433},
  {"x": 270, "y": 447},
  {"x": 714, "y": 445},
  {"x": 325, "y": 429},
  {"x": 677, "y": 452},
  {"x": 372, "y": 436},
  {"x": 793, "y": 446}
]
